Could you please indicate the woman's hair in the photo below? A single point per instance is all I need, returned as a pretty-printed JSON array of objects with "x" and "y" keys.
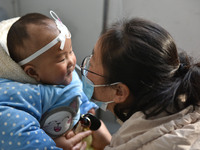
[
  {"x": 18, "y": 33},
  {"x": 143, "y": 55}
]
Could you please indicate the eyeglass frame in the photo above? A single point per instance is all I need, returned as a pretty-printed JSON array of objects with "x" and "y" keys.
[{"x": 82, "y": 67}]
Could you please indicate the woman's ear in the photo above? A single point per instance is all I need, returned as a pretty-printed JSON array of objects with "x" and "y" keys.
[
  {"x": 122, "y": 93},
  {"x": 31, "y": 71}
]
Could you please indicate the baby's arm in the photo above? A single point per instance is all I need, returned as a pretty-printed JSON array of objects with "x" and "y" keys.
[
  {"x": 86, "y": 105},
  {"x": 92, "y": 111}
]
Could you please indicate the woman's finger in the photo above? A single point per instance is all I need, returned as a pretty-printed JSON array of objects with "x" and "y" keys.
[
  {"x": 84, "y": 145},
  {"x": 80, "y": 146},
  {"x": 69, "y": 135},
  {"x": 79, "y": 137}
]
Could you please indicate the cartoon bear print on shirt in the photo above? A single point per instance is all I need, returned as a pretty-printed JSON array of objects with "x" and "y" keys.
[{"x": 60, "y": 120}]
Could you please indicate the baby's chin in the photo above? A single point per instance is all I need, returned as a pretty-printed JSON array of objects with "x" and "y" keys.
[{"x": 67, "y": 80}]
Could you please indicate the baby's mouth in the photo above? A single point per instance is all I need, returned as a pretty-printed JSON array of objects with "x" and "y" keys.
[
  {"x": 71, "y": 69},
  {"x": 69, "y": 72}
]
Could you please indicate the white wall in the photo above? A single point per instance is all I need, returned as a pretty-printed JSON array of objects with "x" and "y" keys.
[
  {"x": 181, "y": 18},
  {"x": 6, "y": 9}
]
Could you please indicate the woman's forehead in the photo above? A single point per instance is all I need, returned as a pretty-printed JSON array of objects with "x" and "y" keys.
[{"x": 96, "y": 52}]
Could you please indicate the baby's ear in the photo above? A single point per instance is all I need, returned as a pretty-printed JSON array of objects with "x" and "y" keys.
[
  {"x": 31, "y": 72},
  {"x": 75, "y": 104}
]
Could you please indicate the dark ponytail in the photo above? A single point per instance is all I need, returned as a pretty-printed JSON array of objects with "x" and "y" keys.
[{"x": 189, "y": 73}]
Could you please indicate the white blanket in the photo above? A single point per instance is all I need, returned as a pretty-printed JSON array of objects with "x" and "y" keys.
[{"x": 8, "y": 68}]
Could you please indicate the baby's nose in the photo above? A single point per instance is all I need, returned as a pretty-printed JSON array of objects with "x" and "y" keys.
[
  {"x": 69, "y": 66},
  {"x": 70, "y": 62}
]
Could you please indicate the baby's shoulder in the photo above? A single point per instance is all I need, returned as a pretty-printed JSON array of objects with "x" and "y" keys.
[{"x": 13, "y": 85}]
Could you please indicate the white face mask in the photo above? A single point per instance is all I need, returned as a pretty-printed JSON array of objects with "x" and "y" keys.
[{"x": 88, "y": 85}]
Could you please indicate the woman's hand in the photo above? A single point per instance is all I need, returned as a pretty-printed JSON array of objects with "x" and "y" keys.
[
  {"x": 101, "y": 137},
  {"x": 72, "y": 141}
]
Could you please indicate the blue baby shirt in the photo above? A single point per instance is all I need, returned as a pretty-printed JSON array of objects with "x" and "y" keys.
[{"x": 22, "y": 106}]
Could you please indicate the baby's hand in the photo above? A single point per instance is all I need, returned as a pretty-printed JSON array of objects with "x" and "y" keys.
[{"x": 92, "y": 111}]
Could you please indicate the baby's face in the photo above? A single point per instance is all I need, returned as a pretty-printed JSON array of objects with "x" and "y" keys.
[{"x": 55, "y": 66}]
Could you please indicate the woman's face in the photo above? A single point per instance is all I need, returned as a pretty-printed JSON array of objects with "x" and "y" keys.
[{"x": 103, "y": 94}]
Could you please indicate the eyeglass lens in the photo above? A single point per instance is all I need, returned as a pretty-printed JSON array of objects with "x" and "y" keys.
[{"x": 85, "y": 65}]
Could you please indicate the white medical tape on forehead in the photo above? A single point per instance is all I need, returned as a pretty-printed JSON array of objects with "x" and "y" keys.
[
  {"x": 64, "y": 33},
  {"x": 42, "y": 50}
]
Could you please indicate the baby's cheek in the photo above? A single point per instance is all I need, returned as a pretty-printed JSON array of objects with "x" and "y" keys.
[{"x": 74, "y": 59}]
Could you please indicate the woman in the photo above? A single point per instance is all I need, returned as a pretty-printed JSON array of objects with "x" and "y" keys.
[{"x": 136, "y": 73}]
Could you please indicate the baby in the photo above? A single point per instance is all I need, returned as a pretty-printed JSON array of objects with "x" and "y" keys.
[{"x": 43, "y": 48}]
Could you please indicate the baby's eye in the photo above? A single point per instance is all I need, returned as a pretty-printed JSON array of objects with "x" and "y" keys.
[{"x": 62, "y": 60}]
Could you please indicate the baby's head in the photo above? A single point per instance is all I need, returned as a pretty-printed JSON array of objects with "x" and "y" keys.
[{"x": 43, "y": 48}]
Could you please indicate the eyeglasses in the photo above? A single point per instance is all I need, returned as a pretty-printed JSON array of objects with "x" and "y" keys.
[
  {"x": 84, "y": 71},
  {"x": 85, "y": 65}
]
